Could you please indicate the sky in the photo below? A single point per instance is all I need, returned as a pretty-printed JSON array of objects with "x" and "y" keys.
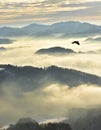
[
  {"x": 16, "y": 104},
  {"x": 23, "y": 12}
]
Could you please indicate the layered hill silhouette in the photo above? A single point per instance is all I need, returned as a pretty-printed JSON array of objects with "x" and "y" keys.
[
  {"x": 97, "y": 39},
  {"x": 61, "y": 29},
  {"x": 5, "y": 41},
  {"x": 78, "y": 119},
  {"x": 12, "y": 32},
  {"x": 29, "y": 124},
  {"x": 30, "y": 78},
  {"x": 55, "y": 51}
]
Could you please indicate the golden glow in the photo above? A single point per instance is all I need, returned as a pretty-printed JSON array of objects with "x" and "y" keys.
[{"x": 48, "y": 11}]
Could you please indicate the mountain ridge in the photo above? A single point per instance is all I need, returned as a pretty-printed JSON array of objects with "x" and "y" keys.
[
  {"x": 69, "y": 28},
  {"x": 29, "y": 77}
]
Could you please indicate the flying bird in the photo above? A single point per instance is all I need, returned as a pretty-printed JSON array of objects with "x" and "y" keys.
[{"x": 76, "y": 42}]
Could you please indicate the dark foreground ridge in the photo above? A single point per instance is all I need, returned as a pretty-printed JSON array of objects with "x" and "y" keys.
[
  {"x": 29, "y": 124},
  {"x": 77, "y": 120},
  {"x": 31, "y": 78}
]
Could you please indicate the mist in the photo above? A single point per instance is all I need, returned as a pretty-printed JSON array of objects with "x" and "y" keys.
[
  {"x": 56, "y": 100},
  {"x": 22, "y": 52}
]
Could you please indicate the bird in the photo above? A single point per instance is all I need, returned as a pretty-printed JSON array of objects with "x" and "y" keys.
[{"x": 76, "y": 42}]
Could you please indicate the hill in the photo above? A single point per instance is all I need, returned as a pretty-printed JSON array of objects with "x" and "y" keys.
[
  {"x": 30, "y": 78},
  {"x": 61, "y": 29},
  {"x": 12, "y": 32},
  {"x": 55, "y": 51},
  {"x": 5, "y": 41}
]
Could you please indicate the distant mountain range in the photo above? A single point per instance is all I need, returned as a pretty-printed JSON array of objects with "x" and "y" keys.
[
  {"x": 98, "y": 39},
  {"x": 61, "y": 29},
  {"x": 5, "y": 41},
  {"x": 30, "y": 78}
]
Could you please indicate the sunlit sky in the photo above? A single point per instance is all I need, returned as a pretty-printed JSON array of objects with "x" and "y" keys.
[{"x": 22, "y": 12}]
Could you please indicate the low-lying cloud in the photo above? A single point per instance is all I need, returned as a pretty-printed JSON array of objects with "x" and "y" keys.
[
  {"x": 22, "y": 52},
  {"x": 52, "y": 101}
]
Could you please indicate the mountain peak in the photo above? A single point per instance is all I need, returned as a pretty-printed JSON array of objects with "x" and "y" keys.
[{"x": 60, "y": 29}]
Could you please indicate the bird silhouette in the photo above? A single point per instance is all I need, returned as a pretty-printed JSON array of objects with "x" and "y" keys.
[{"x": 76, "y": 42}]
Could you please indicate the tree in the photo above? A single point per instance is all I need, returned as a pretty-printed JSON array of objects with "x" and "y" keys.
[
  {"x": 56, "y": 126},
  {"x": 25, "y": 124}
]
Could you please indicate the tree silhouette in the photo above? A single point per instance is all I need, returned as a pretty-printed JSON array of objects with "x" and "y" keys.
[
  {"x": 25, "y": 124},
  {"x": 56, "y": 126}
]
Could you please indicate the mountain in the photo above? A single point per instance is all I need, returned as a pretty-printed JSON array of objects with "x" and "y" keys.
[
  {"x": 61, "y": 29},
  {"x": 5, "y": 41},
  {"x": 55, "y": 51},
  {"x": 30, "y": 78},
  {"x": 12, "y": 32},
  {"x": 71, "y": 28},
  {"x": 32, "y": 29}
]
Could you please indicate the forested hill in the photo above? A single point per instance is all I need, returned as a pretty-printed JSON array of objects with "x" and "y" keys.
[
  {"x": 32, "y": 77},
  {"x": 55, "y": 51}
]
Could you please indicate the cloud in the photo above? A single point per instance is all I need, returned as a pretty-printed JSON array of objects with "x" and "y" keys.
[
  {"x": 21, "y": 52},
  {"x": 55, "y": 100},
  {"x": 52, "y": 101},
  {"x": 48, "y": 10}
]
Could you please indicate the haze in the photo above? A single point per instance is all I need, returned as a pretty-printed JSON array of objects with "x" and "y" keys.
[
  {"x": 22, "y": 52},
  {"x": 57, "y": 26},
  {"x": 56, "y": 100}
]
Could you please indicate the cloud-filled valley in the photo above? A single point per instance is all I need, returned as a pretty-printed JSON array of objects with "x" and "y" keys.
[
  {"x": 49, "y": 86},
  {"x": 50, "y": 65},
  {"x": 24, "y": 87},
  {"x": 52, "y": 101},
  {"x": 22, "y": 52}
]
